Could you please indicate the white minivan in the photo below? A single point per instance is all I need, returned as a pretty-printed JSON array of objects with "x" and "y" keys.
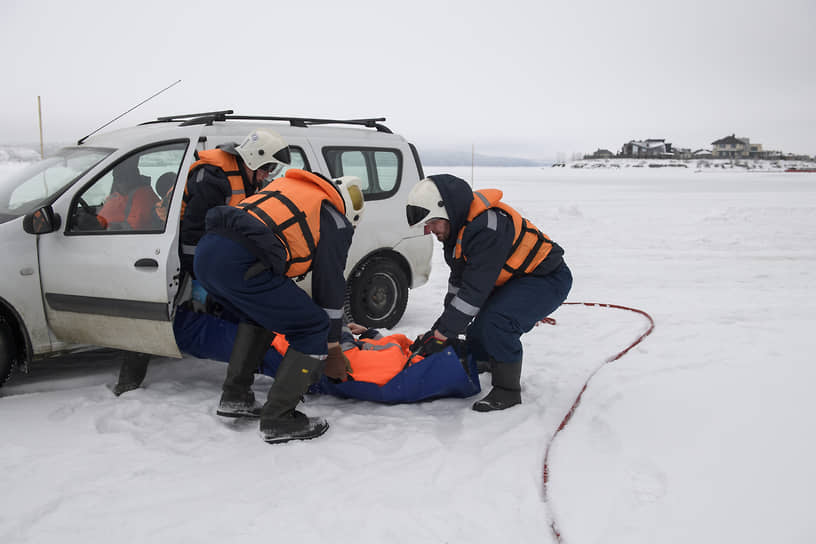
[{"x": 66, "y": 287}]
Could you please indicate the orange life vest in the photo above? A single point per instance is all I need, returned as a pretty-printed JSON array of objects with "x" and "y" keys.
[
  {"x": 226, "y": 162},
  {"x": 290, "y": 207},
  {"x": 530, "y": 246},
  {"x": 133, "y": 210},
  {"x": 377, "y": 361}
]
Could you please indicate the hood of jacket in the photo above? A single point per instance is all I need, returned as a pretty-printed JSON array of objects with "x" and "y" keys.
[{"x": 457, "y": 196}]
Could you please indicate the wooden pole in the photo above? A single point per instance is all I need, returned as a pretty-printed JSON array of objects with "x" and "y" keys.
[
  {"x": 472, "y": 164},
  {"x": 39, "y": 110}
]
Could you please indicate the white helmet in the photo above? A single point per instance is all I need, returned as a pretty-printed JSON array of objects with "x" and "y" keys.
[
  {"x": 425, "y": 203},
  {"x": 351, "y": 189},
  {"x": 262, "y": 147}
]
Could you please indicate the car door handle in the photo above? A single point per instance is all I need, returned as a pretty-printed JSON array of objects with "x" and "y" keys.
[{"x": 147, "y": 263}]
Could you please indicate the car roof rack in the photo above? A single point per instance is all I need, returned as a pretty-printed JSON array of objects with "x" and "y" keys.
[{"x": 208, "y": 118}]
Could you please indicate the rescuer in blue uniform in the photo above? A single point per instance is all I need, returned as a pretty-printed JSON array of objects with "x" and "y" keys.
[
  {"x": 226, "y": 175},
  {"x": 248, "y": 260},
  {"x": 506, "y": 275}
]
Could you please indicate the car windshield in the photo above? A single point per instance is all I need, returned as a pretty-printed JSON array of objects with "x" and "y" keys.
[{"x": 29, "y": 188}]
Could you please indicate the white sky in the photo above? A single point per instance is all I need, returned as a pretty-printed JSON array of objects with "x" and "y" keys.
[{"x": 525, "y": 78}]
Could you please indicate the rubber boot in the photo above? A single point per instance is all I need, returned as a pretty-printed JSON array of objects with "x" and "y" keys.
[
  {"x": 280, "y": 422},
  {"x": 237, "y": 398},
  {"x": 132, "y": 372},
  {"x": 484, "y": 366},
  {"x": 506, "y": 390}
]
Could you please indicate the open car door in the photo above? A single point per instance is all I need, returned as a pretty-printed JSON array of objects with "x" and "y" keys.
[{"x": 111, "y": 273}]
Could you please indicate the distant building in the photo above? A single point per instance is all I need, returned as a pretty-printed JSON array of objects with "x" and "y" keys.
[
  {"x": 682, "y": 153},
  {"x": 651, "y": 148},
  {"x": 732, "y": 147},
  {"x": 600, "y": 154}
]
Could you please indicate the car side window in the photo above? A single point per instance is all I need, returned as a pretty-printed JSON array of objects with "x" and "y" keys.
[
  {"x": 299, "y": 161},
  {"x": 388, "y": 169},
  {"x": 131, "y": 196},
  {"x": 379, "y": 169}
]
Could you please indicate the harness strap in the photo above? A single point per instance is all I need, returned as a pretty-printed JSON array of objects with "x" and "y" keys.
[
  {"x": 242, "y": 190},
  {"x": 528, "y": 259},
  {"x": 533, "y": 251},
  {"x": 298, "y": 218}
]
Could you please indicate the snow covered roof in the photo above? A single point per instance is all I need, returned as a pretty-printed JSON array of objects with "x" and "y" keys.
[{"x": 648, "y": 144}]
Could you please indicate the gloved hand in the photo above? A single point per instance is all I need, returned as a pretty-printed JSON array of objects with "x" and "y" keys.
[
  {"x": 337, "y": 364},
  {"x": 199, "y": 293},
  {"x": 428, "y": 344}
]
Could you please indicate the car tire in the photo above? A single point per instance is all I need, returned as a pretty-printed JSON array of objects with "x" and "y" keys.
[
  {"x": 6, "y": 351},
  {"x": 377, "y": 293}
]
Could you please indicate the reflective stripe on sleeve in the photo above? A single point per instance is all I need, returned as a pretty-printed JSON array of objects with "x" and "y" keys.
[
  {"x": 334, "y": 313},
  {"x": 464, "y": 307}
]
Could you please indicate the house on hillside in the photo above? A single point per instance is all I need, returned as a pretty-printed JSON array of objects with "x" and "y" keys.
[
  {"x": 732, "y": 147},
  {"x": 651, "y": 148}
]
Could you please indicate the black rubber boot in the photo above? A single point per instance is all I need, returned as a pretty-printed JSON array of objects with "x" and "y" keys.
[
  {"x": 484, "y": 366},
  {"x": 506, "y": 390},
  {"x": 132, "y": 372},
  {"x": 237, "y": 398},
  {"x": 280, "y": 422}
]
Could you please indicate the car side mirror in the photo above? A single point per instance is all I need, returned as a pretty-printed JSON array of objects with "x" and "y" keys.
[{"x": 41, "y": 221}]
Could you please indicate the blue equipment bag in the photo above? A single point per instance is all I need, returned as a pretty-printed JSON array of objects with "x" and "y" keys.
[{"x": 439, "y": 375}]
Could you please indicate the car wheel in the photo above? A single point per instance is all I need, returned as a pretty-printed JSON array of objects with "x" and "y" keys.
[
  {"x": 6, "y": 351},
  {"x": 377, "y": 294}
]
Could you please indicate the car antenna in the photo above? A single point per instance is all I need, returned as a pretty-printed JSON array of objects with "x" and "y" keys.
[{"x": 79, "y": 142}]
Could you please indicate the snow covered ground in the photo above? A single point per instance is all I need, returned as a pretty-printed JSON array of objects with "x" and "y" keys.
[{"x": 703, "y": 433}]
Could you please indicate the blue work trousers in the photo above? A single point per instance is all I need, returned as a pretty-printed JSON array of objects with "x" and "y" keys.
[
  {"x": 512, "y": 310},
  {"x": 270, "y": 300}
]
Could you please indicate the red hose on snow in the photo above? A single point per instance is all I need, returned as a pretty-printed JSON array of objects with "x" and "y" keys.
[{"x": 577, "y": 401}]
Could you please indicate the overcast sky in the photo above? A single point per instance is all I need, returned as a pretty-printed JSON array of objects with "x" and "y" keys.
[{"x": 521, "y": 78}]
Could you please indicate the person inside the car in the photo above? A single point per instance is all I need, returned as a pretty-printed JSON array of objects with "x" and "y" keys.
[
  {"x": 132, "y": 200},
  {"x": 164, "y": 187},
  {"x": 226, "y": 175},
  {"x": 248, "y": 260}
]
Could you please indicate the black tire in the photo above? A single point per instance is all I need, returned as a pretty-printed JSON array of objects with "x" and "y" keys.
[
  {"x": 6, "y": 351},
  {"x": 377, "y": 293}
]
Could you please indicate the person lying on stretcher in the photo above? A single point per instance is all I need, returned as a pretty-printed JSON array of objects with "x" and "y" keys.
[
  {"x": 372, "y": 357},
  {"x": 381, "y": 367}
]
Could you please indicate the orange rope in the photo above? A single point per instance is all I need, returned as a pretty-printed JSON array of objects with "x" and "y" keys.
[{"x": 568, "y": 416}]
